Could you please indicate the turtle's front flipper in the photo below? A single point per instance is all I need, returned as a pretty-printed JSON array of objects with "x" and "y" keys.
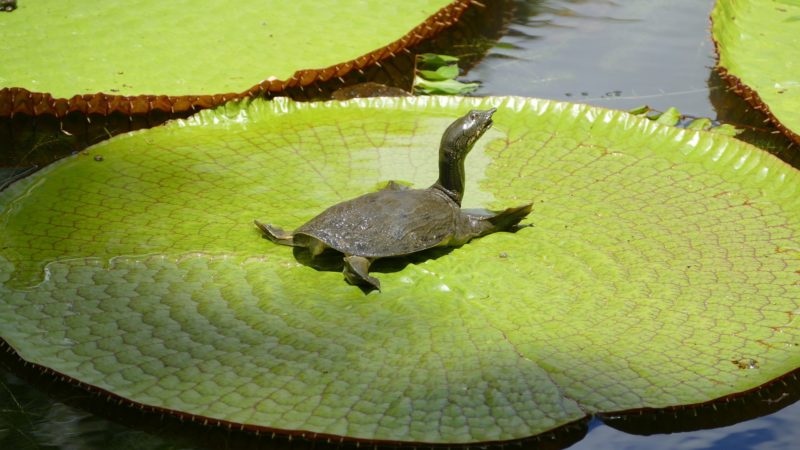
[
  {"x": 505, "y": 220},
  {"x": 356, "y": 271},
  {"x": 275, "y": 234}
]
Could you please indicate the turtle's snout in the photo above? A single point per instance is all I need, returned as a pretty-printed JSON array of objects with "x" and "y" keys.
[
  {"x": 489, "y": 114},
  {"x": 486, "y": 119}
]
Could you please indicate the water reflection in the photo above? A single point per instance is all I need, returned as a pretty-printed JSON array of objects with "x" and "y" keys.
[
  {"x": 608, "y": 53},
  {"x": 777, "y": 431}
]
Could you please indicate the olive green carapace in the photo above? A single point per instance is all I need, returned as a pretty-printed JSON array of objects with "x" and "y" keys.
[
  {"x": 182, "y": 47},
  {"x": 758, "y": 42},
  {"x": 397, "y": 221},
  {"x": 658, "y": 259}
]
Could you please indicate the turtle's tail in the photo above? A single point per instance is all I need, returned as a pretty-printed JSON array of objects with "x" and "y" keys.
[{"x": 275, "y": 234}]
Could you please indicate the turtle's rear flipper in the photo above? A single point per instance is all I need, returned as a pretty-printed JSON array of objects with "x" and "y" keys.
[
  {"x": 356, "y": 271},
  {"x": 506, "y": 220},
  {"x": 275, "y": 234},
  {"x": 510, "y": 217}
]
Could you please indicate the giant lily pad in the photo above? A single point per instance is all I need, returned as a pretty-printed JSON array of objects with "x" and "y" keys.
[
  {"x": 661, "y": 270},
  {"x": 100, "y": 57},
  {"x": 123, "y": 68},
  {"x": 758, "y": 42}
]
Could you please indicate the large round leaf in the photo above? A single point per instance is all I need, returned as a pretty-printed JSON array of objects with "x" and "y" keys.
[
  {"x": 661, "y": 269},
  {"x": 758, "y": 42},
  {"x": 100, "y": 57}
]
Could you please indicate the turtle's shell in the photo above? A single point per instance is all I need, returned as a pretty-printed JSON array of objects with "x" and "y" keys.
[{"x": 386, "y": 223}]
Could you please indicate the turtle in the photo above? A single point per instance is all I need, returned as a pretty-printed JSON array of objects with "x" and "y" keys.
[{"x": 397, "y": 220}]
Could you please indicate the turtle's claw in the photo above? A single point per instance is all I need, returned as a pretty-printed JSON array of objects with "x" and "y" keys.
[{"x": 356, "y": 271}]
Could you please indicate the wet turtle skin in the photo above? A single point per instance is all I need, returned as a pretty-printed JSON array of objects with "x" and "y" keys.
[{"x": 397, "y": 221}]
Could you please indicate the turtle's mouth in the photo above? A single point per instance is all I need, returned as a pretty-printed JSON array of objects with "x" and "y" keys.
[{"x": 488, "y": 122}]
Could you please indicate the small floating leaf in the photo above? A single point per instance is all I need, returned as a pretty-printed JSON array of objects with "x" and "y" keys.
[
  {"x": 726, "y": 129},
  {"x": 662, "y": 271},
  {"x": 444, "y": 87},
  {"x": 433, "y": 60},
  {"x": 442, "y": 73},
  {"x": 702, "y": 123},
  {"x": 669, "y": 117}
]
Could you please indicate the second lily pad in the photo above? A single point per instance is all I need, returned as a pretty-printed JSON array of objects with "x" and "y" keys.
[
  {"x": 98, "y": 58},
  {"x": 177, "y": 48},
  {"x": 758, "y": 42}
]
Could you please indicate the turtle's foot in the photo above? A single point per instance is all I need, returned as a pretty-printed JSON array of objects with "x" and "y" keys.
[
  {"x": 509, "y": 218},
  {"x": 356, "y": 271},
  {"x": 275, "y": 234},
  {"x": 506, "y": 220}
]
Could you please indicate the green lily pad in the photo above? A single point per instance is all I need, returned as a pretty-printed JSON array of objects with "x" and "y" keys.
[
  {"x": 758, "y": 42},
  {"x": 444, "y": 87},
  {"x": 440, "y": 74},
  {"x": 179, "y": 55},
  {"x": 659, "y": 259},
  {"x": 433, "y": 60},
  {"x": 701, "y": 123},
  {"x": 669, "y": 117}
]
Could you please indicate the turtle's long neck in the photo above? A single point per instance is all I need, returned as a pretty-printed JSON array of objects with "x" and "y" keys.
[{"x": 451, "y": 172}]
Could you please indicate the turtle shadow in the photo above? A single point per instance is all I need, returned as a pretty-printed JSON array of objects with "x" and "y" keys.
[{"x": 333, "y": 261}]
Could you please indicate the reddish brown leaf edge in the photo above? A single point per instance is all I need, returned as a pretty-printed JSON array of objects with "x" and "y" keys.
[{"x": 303, "y": 84}]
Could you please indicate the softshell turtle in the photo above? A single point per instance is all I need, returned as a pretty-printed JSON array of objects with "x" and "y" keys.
[{"x": 399, "y": 221}]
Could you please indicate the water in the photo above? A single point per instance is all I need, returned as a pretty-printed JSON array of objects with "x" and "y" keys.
[
  {"x": 616, "y": 54},
  {"x": 777, "y": 431}
]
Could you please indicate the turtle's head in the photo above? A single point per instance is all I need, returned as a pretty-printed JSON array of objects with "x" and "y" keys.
[
  {"x": 457, "y": 141},
  {"x": 462, "y": 134}
]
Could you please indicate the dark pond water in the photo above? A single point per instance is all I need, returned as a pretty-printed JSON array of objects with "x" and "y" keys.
[{"x": 616, "y": 54}]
